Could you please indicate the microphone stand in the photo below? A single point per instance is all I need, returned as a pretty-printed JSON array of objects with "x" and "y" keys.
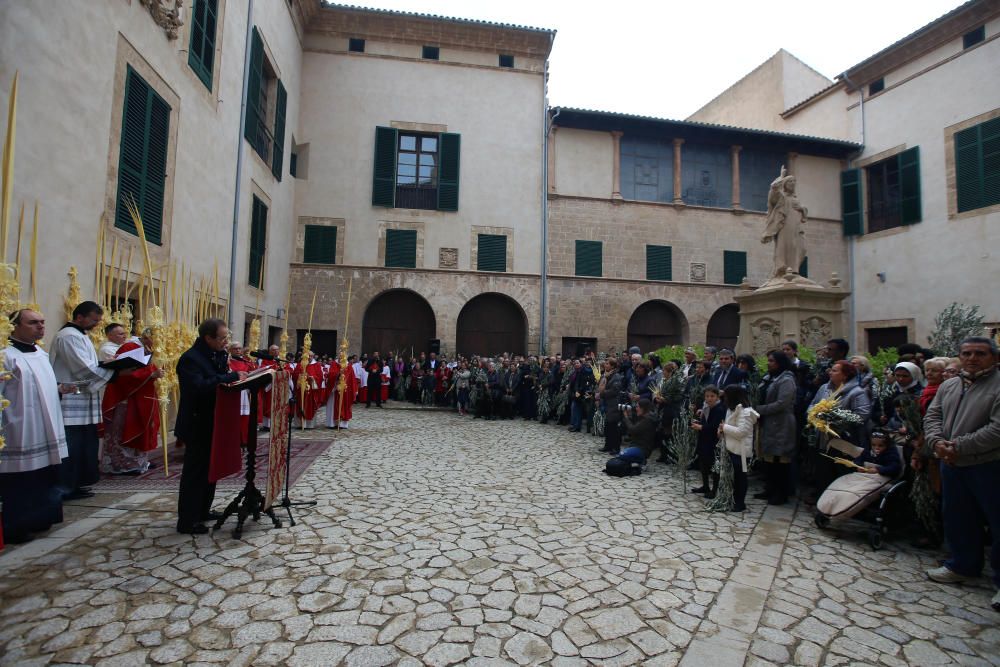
[{"x": 286, "y": 501}]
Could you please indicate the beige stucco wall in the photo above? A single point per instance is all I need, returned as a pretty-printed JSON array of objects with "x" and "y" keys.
[
  {"x": 825, "y": 117},
  {"x": 939, "y": 260},
  {"x": 498, "y": 114},
  {"x": 758, "y": 99},
  {"x": 584, "y": 163},
  {"x": 68, "y": 55}
]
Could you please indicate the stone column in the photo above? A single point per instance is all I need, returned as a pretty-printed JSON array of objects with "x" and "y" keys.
[
  {"x": 678, "y": 199},
  {"x": 616, "y": 169},
  {"x": 734, "y": 154},
  {"x": 552, "y": 159}
]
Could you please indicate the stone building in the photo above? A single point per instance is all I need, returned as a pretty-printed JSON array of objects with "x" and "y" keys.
[
  {"x": 921, "y": 201},
  {"x": 121, "y": 98},
  {"x": 655, "y": 225}
]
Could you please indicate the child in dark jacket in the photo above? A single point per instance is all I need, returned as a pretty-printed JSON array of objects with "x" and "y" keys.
[
  {"x": 881, "y": 457},
  {"x": 707, "y": 425}
]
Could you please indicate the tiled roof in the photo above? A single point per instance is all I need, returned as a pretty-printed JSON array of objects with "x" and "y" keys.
[{"x": 435, "y": 17}]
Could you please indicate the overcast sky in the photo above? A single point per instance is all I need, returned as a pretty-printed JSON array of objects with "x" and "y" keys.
[{"x": 669, "y": 58}]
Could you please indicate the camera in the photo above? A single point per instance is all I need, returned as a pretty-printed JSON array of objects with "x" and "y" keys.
[{"x": 624, "y": 407}]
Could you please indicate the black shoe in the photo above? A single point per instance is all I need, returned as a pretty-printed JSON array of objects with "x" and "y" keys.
[
  {"x": 739, "y": 508},
  {"x": 777, "y": 500},
  {"x": 196, "y": 529},
  {"x": 264, "y": 429},
  {"x": 213, "y": 516},
  {"x": 79, "y": 494},
  {"x": 18, "y": 538},
  {"x": 710, "y": 495},
  {"x": 763, "y": 495},
  {"x": 700, "y": 489}
]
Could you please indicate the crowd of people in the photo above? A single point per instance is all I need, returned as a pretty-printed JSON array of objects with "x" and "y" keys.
[{"x": 932, "y": 420}]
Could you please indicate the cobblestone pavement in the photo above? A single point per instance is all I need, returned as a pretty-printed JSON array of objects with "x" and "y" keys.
[{"x": 439, "y": 540}]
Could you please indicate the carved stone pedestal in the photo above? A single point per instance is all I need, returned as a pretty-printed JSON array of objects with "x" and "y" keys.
[{"x": 798, "y": 310}]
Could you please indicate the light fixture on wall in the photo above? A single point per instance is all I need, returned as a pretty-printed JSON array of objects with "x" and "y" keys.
[{"x": 881, "y": 276}]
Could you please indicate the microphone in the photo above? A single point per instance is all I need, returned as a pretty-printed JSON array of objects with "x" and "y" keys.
[{"x": 262, "y": 354}]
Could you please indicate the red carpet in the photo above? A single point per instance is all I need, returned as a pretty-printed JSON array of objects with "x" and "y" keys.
[{"x": 304, "y": 452}]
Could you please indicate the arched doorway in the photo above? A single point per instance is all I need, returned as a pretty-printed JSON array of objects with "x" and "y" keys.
[
  {"x": 490, "y": 324},
  {"x": 724, "y": 327},
  {"x": 656, "y": 324},
  {"x": 396, "y": 321}
]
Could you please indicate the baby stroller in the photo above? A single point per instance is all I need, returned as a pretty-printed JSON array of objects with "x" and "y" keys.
[{"x": 872, "y": 498}]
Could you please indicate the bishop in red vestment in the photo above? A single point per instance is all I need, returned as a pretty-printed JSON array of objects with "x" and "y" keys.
[{"x": 306, "y": 407}]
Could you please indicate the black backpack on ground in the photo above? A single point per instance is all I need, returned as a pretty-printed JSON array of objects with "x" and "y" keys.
[{"x": 619, "y": 467}]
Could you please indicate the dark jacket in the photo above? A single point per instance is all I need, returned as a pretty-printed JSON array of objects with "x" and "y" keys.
[
  {"x": 642, "y": 433},
  {"x": 888, "y": 462},
  {"x": 612, "y": 396},
  {"x": 582, "y": 383},
  {"x": 708, "y": 436},
  {"x": 199, "y": 371},
  {"x": 734, "y": 376}
]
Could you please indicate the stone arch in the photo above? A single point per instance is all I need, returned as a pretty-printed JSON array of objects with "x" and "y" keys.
[
  {"x": 656, "y": 323},
  {"x": 491, "y": 323},
  {"x": 398, "y": 320},
  {"x": 724, "y": 327}
]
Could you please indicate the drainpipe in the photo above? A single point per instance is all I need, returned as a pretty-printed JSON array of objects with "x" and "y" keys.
[
  {"x": 851, "y": 241},
  {"x": 546, "y": 126},
  {"x": 239, "y": 165}
]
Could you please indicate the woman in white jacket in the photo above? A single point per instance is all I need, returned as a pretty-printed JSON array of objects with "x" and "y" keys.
[{"x": 737, "y": 434}]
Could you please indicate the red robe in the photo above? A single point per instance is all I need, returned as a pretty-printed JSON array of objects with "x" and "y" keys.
[
  {"x": 264, "y": 398},
  {"x": 142, "y": 413},
  {"x": 306, "y": 409},
  {"x": 342, "y": 402},
  {"x": 239, "y": 364}
]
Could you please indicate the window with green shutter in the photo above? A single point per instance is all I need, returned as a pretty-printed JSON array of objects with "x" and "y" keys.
[
  {"x": 281, "y": 101},
  {"x": 894, "y": 191},
  {"x": 418, "y": 171},
  {"x": 265, "y": 93},
  {"x": 659, "y": 262},
  {"x": 977, "y": 166},
  {"x": 320, "y": 245},
  {"x": 734, "y": 266},
  {"x": 201, "y": 51},
  {"x": 401, "y": 248},
  {"x": 258, "y": 242},
  {"x": 909, "y": 186},
  {"x": 589, "y": 258},
  {"x": 850, "y": 202},
  {"x": 142, "y": 162},
  {"x": 491, "y": 254}
]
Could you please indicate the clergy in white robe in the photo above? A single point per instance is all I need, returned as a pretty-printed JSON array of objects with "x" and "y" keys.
[
  {"x": 74, "y": 361},
  {"x": 34, "y": 434}
]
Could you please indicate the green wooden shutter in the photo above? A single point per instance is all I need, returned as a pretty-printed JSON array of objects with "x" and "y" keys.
[
  {"x": 384, "y": 179},
  {"x": 734, "y": 266},
  {"x": 320, "y": 245},
  {"x": 658, "y": 262},
  {"x": 201, "y": 51},
  {"x": 850, "y": 202},
  {"x": 804, "y": 267},
  {"x": 491, "y": 254},
  {"x": 909, "y": 185},
  {"x": 588, "y": 258},
  {"x": 977, "y": 166},
  {"x": 258, "y": 241},
  {"x": 449, "y": 146},
  {"x": 279, "y": 131},
  {"x": 401, "y": 248},
  {"x": 142, "y": 162},
  {"x": 254, "y": 115}
]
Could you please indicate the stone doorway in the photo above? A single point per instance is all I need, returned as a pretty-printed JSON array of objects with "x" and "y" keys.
[
  {"x": 397, "y": 322},
  {"x": 656, "y": 324},
  {"x": 491, "y": 324},
  {"x": 724, "y": 327}
]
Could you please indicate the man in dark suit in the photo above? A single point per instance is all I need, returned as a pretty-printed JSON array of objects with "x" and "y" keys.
[
  {"x": 200, "y": 371},
  {"x": 374, "y": 368},
  {"x": 727, "y": 373}
]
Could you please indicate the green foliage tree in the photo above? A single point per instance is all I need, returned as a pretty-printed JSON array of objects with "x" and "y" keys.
[{"x": 952, "y": 324}]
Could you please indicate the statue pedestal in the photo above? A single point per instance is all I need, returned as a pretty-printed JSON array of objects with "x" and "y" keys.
[{"x": 798, "y": 310}]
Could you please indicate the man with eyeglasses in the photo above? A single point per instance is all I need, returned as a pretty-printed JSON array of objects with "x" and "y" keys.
[
  {"x": 200, "y": 371},
  {"x": 962, "y": 429}
]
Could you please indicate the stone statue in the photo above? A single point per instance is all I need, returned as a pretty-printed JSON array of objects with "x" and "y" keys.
[{"x": 786, "y": 219}]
